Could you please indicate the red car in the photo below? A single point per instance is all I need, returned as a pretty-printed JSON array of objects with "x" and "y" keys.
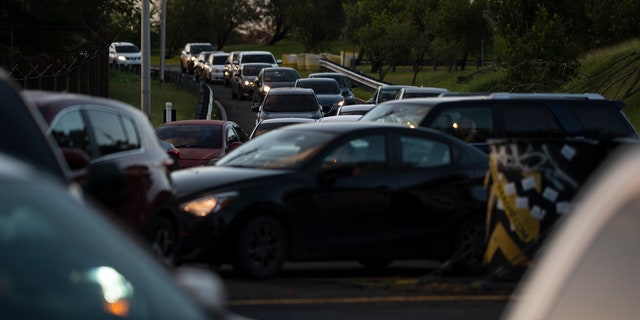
[
  {"x": 202, "y": 142},
  {"x": 101, "y": 132}
]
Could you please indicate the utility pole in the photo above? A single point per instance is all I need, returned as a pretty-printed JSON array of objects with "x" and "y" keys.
[
  {"x": 163, "y": 28},
  {"x": 145, "y": 68}
]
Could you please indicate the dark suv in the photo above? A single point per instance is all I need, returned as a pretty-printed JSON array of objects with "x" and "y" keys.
[
  {"x": 476, "y": 119},
  {"x": 105, "y": 131}
]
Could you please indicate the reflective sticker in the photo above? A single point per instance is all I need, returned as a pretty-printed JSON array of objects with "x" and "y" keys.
[
  {"x": 568, "y": 152},
  {"x": 510, "y": 188},
  {"x": 538, "y": 212},
  {"x": 522, "y": 203},
  {"x": 550, "y": 194},
  {"x": 528, "y": 183},
  {"x": 563, "y": 207}
]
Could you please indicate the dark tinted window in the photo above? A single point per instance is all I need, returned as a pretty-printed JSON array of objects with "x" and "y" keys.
[
  {"x": 70, "y": 131},
  {"x": 471, "y": 123},
  {"x": 530, "y": 120},
  {"x": 290, "y": 103},
  {"x": 195, "y": 49},
  {"x": 599, "y": 119},
  {"x": 322, "y": 87},
  {"x": 418, "y": 152},
  {"x": 266, "y": 58},
  {"x": 192, "y": 136},
  {"x": 127, "y": 49},
  {"x": 219, "y": 59},
  {"x": 112, "y": 132},
  {"x": 280, "y": 76}
]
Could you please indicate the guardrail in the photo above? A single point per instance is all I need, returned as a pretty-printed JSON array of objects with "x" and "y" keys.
[{"x": 367, "y": 82}]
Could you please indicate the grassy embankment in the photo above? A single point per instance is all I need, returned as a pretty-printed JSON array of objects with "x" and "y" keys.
[{"x": 614, "y": 67}]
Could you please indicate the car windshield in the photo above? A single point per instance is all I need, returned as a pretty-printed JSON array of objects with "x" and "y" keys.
[
  {"x": 195, "y": 49},
  {"x": 219, "y": 59},
  {"x": 127, "y": 49},
  {"x": 277, "y": 149},
  {"x": 290, "y": 103},
  {"x": 192, "y": 136},
  {"x": 266, "y": 58},
  {"x": 407, "y": 114},
  {"x": 321, "y": 87},
  {"x": 281, "y": 76},
  {"x": 251, "y": 71}
]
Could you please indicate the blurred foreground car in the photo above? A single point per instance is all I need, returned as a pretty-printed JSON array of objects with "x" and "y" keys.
[
  {"x": 338, "y": 191},
  {"x": 588, "y": 267},
  {"x": 106, "y": 131},
  {"x": 69, "y": 261},
  {"x": 269, "y": 124},
  {"x": 202, "y": 142}
]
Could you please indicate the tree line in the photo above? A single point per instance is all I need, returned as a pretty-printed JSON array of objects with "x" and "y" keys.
[{"x": 540, "y": 41}]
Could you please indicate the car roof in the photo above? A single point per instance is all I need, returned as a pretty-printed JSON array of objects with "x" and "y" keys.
[
  {"x": 326, "y": 74},
  {"x": 196, "y": 122},
  {"x": 423, "y": 89},
  {"x": 60, "y": 100},
  {"x": 290, "y": 90},
  {"x": 317, "y": 80},
  {"x": 279, "y": 68},
  {"x": 258, "y": 64},
  {"x": 359, "y": 106},
  {"x": 287, "y": 120}
]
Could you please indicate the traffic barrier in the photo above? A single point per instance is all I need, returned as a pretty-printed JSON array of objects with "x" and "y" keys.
[{"x": 532, "y": 184}]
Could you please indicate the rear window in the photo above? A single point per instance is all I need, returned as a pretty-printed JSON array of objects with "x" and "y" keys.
[
  {"x": 321, "y": 87},
  {"x": 192, "y": 136},
  {"x": 600, "y": 120},
  {"x": 265, "y": 58},
  {"x": 195, "y": 49},
  {"x": 219, "y": 59},
  {"x": 290, "y": 103}
]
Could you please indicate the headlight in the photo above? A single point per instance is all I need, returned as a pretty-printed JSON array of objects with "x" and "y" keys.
[
  {"x": 247, "y": 82},
  {"x": 122, "y": 58},
  {"x": 209, "y": 204},
  {"x": 340, "y": 103},
  {"x": 266, "y": 89}
]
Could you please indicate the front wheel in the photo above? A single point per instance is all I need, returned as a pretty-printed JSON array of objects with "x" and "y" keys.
[
  {"x": 260, "y": 248},
  {"x": 164, "y": 240}
]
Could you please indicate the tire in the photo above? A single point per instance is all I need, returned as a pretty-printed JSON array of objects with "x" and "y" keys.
[
  {"x": 164, "y": 240},
  {"x": 260, "y": 247},
  {"x": 469, "y": 246}
]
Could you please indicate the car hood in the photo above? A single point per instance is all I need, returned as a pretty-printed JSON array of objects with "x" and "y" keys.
[
  {"x": 192, "y": 181},
  {"x": 306, "y": 114},
  {"x": 279, "y": 84}
]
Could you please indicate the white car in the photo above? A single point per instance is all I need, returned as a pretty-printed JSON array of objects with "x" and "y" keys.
[
  {"x": 214, "y": 67},
  {"x": 124, "y": 54}
]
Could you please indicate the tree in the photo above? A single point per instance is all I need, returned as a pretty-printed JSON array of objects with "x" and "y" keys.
[
  {"x": 274, "y": 13},
  {"x": 316, "y": 23}
]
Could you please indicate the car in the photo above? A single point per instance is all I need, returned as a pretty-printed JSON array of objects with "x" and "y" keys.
[
  {"x": 360, "y": 109},
  {"x": 587, "y": 267},
  {"x": 294, "y": 194},
  {"x": 199, "y": 65},
  {"x": 479, "y": 118},
  {"x": 289, "y": 102},
  {"x": 106, "y": 131},
  {"x": 419, "y": 92},
  {"x": 202, "y": 142},
  {"x": 385, "y": 93},
  {"x": 189, "y": 55},
  {"x": 270, "y": 124},
  {"x": 273, "y": 77},
  {"x": 124, "y": 54},
  {"x": 214, "y": 67},
  {"x": 71, "y": 260},
  {"x": 343, "y": 82},
  {"x": 253, "y": 56},
  {"x": 242, "y": 81},
  {"x": 327, "y": 91},
  {"x": 229, "y": 66}
]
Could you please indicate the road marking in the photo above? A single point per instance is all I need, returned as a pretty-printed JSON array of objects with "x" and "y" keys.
[{"x": 369, "y": 299}]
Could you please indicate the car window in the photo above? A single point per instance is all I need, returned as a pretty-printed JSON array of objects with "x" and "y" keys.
[
  {"x": 192, "y": 136},
  {"x": 367, "y": 154},
  {"x": 280, "y": 76},
  {"x": 321, "y": 87},
  {"x": 469, "y": 123},
  {"x": 266, "y": 58},
  {"x": 70, "y": 131},
  {"x": 599, "y": 120},
  {"x": 290, "y": 103},
  {"x": 418, "y": 152},
  {"x": 219, "y": 60},
  {"x": 530, "y": 120},
  {"x": 127, "y": 49},
  {"x": 112, "y": 132}
]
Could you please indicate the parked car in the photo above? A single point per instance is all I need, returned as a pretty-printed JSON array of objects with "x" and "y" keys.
[
  {"x": 587, "y": 269},
  {"x": 242, "y": 81},
  {"x": 343, "y": 82},
  {"x": 476, "y": 119},
  {"x": 419, "y": 92},
  {"x": 359, "y": 109},
  {"x": 202, "y": 142},
  {"x": 214, "y": 67},
  {"x": 199, "y": 65},
  {"x": 338, "y": 191},
  {"x": 267, "y": 125},
  {"x": 108, "y": 131},
  {"x": 189, "y": 55},
  {"x": 385, "y": 93},
  {"x": 327, "y": 91},
  {"x": 70, "y": 260},
  {"x": 289, "y": 103},
  {"x": 229, "y": 66},
  {"x": 125, "y": 54},
  {"x": 273, "y": 77}
]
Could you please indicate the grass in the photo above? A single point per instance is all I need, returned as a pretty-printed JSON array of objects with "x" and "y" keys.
[{"x": 611, "y": 72}]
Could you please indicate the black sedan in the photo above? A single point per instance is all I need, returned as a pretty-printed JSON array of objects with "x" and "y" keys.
[{"x": 359, "y": 191}]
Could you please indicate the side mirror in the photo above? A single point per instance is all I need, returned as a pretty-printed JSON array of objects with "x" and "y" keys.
[
  {"x": 234, "y": 145},
  {"x": 326, "y": 109}
]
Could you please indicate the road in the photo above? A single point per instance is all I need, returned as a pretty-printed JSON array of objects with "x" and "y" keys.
[{"x": 406, "y": 290}]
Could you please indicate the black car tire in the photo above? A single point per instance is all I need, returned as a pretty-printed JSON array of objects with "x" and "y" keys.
[
  {"x": 164, "y": 240},
  {"x": 469, "y": 247},
  {"x": 260, "y": 248}
]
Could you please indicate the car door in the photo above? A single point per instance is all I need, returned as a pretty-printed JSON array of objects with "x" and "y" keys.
[
  {"x": 350, "y": 199},
  {"x": 432, "y": 195}
]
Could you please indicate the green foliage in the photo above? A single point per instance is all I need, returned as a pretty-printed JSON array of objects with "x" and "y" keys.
[{"x": 316, "y": 23}]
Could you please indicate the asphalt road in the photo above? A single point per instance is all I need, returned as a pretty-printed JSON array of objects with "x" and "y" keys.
[{"x": 345, "y": 290}]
